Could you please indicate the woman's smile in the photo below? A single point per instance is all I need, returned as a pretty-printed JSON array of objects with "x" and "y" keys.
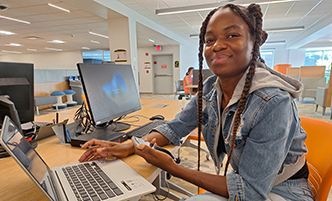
[{"x": 220, "y": 59}]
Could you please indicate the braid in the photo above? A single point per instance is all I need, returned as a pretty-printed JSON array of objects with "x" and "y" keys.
[
  {"x": 200, "y": 83},
  {"x": 253, "y": 18},
  {"x": 257, "y": 34}
]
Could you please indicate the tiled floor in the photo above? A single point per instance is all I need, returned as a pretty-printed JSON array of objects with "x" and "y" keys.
[{"x": 189, "y": 155}]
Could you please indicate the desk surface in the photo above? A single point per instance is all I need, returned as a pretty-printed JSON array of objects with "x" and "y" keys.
[
  {"x": 192, "y": 86},
  {"x": 15, "y": 185}
]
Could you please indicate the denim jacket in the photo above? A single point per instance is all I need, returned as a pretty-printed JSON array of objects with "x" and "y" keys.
[{"x": 269, "y": 137}]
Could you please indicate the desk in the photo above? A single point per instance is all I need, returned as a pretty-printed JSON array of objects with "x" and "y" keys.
[
  {"x": 15, "y": 185},
  {"x": 191, "y": 87}
]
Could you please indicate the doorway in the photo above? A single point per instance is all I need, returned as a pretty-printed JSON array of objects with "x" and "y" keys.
[{"x": 163, "y": 74}]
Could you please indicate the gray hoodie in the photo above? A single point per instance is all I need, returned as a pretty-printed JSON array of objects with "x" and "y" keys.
[{"x": 267, "y": 77}]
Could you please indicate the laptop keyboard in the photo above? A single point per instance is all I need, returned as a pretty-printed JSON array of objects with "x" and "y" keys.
[
  {"x": 145, "y": 129},
  {"x": 89, "y": 182}
]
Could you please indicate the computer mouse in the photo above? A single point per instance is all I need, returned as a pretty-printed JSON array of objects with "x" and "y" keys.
[{"x": 158, "y": 116}]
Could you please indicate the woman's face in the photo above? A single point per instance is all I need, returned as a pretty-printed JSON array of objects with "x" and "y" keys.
[
  {"x": 228, "y": 44},
  {"x": 191, "y": 72}
]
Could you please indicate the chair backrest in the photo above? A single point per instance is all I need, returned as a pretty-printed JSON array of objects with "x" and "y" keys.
[
  {"x": 313, "y": 82},
  {"x": 179, "y": 85},
  {"x": 319, "y": 157}
]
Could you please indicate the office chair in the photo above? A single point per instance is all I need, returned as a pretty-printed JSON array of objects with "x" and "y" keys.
[
  {"x": 179, "y": 88},
  {"x": 187, "y": 143},
  {"x": 319, "y": 156}
]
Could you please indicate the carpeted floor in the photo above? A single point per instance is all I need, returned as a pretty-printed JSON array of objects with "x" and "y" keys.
[{"x": 188, "y": 155}]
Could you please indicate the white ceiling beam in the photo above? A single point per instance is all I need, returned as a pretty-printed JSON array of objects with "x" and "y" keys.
[
  {"x": 128, "y": 12},
  {"x": 320, "y": 29}
]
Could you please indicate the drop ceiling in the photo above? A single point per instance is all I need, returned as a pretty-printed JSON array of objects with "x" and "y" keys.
[{"x": 48, "y": 23}]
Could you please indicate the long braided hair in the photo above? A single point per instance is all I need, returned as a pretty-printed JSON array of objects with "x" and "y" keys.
[{"x": 252, "y": 15}]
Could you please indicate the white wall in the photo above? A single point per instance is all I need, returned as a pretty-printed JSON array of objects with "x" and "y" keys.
[
  {"x": 295, "y": 57},
  {"x": 281, "y": 56},
  {"x": 52, "y": 60},
  {"x": 146, "y": 75},
  {"x": 189, "y": 57}
]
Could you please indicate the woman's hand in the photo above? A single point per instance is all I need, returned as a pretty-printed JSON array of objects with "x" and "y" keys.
[
  {"x": 155, "y": 157},
  {"x": 98, "y": 149}
]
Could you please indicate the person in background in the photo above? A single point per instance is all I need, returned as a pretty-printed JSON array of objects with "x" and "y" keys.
[
  {"x": 188, "y": 80},
  {"x": 245, "y": 111}
]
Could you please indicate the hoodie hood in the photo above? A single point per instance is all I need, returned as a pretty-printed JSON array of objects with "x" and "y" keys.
[{"x": 267, "y": 77}]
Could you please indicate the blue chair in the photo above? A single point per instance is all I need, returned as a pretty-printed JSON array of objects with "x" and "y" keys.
[
  {"x": 69, "y": 94},
  {"x": 59, "y": 104}
]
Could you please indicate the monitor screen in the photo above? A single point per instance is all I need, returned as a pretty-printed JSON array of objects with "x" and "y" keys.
[
  {"x": 110, "y": 91},
  {"x": 17, "y": 81},
  {"x": 7, "y": 108},
  {"x": 206, "y": 73}
]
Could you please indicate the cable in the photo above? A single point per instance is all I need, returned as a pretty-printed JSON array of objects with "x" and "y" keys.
[
  {"x": 84, "y": 120},
  {"x": 155, "y": 197}
]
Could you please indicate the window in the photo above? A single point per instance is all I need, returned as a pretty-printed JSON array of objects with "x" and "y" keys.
[
  {"x": 319, "y": 58},
  {"x": 268, "y": 57},
  {"x": 97, "y": 56}
]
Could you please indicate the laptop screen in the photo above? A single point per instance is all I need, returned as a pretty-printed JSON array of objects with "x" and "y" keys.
[{"x": 27, "y": 157}]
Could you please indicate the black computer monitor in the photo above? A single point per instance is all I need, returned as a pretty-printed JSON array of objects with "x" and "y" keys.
[
  {"x": 110, "y": 92},
  {"x": 206, "y": 73},
  {"x": 7, "y": 108},
  {"x": 16, "y": 81}
]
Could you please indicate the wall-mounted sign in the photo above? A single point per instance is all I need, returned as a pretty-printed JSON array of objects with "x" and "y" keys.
[
  {"x": 176, "y": 64},
  {"x": 159, "y": 47},
  {"x": 120, "y": 55},
  {"x": 163, "y": 66},
  {"x": 147, "y": 65}
]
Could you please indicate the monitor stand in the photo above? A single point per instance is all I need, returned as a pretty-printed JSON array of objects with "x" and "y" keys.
[
  {"x": 118, "y": 126},
  {"x": 110, "y": 133}
]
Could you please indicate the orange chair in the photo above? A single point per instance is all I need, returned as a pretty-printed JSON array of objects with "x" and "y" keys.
[
  {"x": 319, "y": 157},
  {"x": 282, "y": 68}
]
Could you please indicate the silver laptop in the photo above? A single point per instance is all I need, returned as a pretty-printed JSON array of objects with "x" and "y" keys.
[{"x": 95, "y": 180}]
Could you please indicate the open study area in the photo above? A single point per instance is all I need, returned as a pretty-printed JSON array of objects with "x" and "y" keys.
[{"x": 49, "y": 38}]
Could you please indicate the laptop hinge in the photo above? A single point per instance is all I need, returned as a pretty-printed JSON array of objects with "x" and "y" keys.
[{"x": 54, "y": 177}]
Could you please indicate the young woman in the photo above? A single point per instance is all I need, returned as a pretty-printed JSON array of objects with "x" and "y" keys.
[
  {"x": 188, "y": 80},
  {"x": 246, "y": 111}
]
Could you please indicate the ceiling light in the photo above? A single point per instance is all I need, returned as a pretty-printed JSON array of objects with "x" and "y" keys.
[
  {"x": 32, "y": 37},
  {"x": 6, "y": 33},
  {"x": 85, "y": 48},
  {"x": 194, "y": 35},
  {"x": 202, "y": 7},
  {"x": 269, "y": 2},
  {"x": 93, "y": 41},
  {"x": 13, "y": 19},
  {"x": 281, "y": 42},
  {"x": 11, "y": 52},
  {"x": 54, "y": 49},
  {"x": 186, "y": 9},
  {"x": 278, "y": 1},
  {"x": 54, "y": 6},
  {"x": 97, "y": 34},
  {"x": 285, "y": 29},
  {"x": 3, "y": 6},
  {"x": 152, "y": 41},
  {"x": 13, "y": 44},
  {"x": 56, "y": 41},
  {"x": 34, "y": 50},
  {"x": 268, "y": 49}
]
